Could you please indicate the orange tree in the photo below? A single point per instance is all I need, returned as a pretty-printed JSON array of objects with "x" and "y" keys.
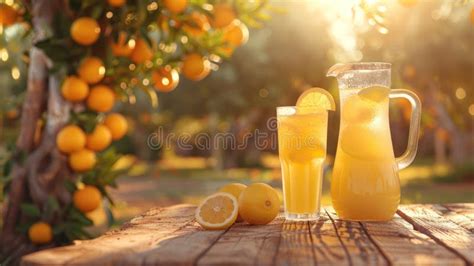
[{"x": 88, "y": 56}]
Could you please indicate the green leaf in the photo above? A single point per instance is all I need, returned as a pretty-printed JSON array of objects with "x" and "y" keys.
[
  {"x": 70, "y": 186},
  {"x": 30, "y": 210},
  {"x": 110, "y": 217},
  {"x": 79, "y": 217}
]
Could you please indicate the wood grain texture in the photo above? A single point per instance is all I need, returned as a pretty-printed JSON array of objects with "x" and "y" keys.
[
  {"x": 295, "y": 247},
  {"x": 362, "y": 251},
  {"x": 327, "y": 245},
  {"x": 420, "y": 234},
  {"x": 140, "y": 234},
  {"x": 402, "y": 245},
  {"x": 427, "y": 220},
  {"x": 245, "y": 244}
]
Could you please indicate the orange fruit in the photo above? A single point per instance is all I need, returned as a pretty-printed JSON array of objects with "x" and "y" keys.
[
  {"x": 142, "y": 52},
  {"x": 316, "y": 98},
  {"x": 218, "y": 211},
  {"x": 101, "y": 99},
  {"x": 236, "y": 34},
  {"x": 71, "y": 139},
  {"x": 91, "y": 70},
  {"x": 87, "y": 198},
  {"x": 74, "y": 89},
  {"x": 223, "y": 15},
  {"x": 122, "y": 48},
  {"x": 12, "y": 114},
  {"x": 117, "y": 125},
  {"x": 165, "y": 79},
  {"x": 40, "y": 233},
  {"x": 259, "y": 204},
  {"x": 85, "y": 31},
  {"x": 83, "y": 160},
  {"x": 197, "y": 24},
  {"x": 226, "y": 50},
  {"x": 99, "y": 139},
  {"x": 175, "y": 6},
  {"x": 235, "y": 189},
  {"x": 195, "y": 67},
  {"x": 8, "y": 15},
  {"x": 116, "y": 3}
]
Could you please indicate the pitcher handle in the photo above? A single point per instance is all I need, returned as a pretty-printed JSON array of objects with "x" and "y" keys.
[{"x": 409, "y": 155}]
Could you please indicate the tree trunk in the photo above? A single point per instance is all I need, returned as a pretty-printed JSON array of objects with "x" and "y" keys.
[{"x": 39, "y": 170}]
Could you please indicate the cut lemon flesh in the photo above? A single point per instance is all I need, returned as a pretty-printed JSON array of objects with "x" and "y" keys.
[
  {"x": 374, "y": 93},
  {"x": 218, "y": 211},
  {"x": 316, "y": 98}
]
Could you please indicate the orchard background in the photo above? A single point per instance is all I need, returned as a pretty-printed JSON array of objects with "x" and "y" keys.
[{"x": 84, "y": 84}]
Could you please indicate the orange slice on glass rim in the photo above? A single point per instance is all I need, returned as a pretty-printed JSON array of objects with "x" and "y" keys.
[
  {"x": 218, "y": 211},
  {"x": 316, "y": 98}
]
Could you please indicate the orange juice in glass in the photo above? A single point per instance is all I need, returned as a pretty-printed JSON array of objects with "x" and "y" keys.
[{"x": 302, "y": 134}]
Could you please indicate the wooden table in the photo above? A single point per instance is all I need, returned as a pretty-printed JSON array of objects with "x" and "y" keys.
[{"x": 419, "y": 234}]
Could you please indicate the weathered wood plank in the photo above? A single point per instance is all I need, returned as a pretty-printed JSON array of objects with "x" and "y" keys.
[
  {"x": 183, "y": 247},
  {"x": 403, "y": 245},
  {"x": 427, "y": 220},
  {"x": 244, "y": 244},
  {"x": 327, "y": 246},
  {"x": 462, "y": 214},
  {"x": 362, "y": 251},
  {"x": 296, "y": 247},
  {"x": 140, "y": 234}
]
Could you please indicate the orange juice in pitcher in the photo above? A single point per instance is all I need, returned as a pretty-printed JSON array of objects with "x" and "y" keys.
[{"x": 365, "y": 184}]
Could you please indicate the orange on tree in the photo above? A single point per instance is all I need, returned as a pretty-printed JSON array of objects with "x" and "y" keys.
[
  {"x": 40, "y": 233},
  {"x": 12, "y": 114},
  {"x": 236, "y": 34},
  {"x": 116, "y": 3},
  {"x": 8, "y": 15},
  {"x": 71, "y": 139},
  {"x": 259, "y": 204},
  {"x": 175, "y": 6},
  {"x": 195, "y": 67},
  {"x": 117, "y": 125},
  {"x": 87, "y": 198},
  {"x": 99, "y": 139},
  {"x": 83, "y": 160},
  {"x": 91, "y": 70},
  {"x": 142, "y": 52},
  {"x": 85, "y": 31},
  {"x": 74, "y": 89},
  {"x": 197, "y": 24},
  {"x": 223, "y": 15},
  {"x": 165, "y": 79},
  {"x": 101, "y": 98},
  {"x": 122, "y": 47}
]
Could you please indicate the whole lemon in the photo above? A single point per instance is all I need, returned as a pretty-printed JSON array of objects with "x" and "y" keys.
[
  {"x": 40, "y": 233},
  {"x": 235, "y": 189},
  {"x": 259, "y": 204}
]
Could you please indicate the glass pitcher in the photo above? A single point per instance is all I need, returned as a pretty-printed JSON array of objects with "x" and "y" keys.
[{"x": 365, "y": 184}]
